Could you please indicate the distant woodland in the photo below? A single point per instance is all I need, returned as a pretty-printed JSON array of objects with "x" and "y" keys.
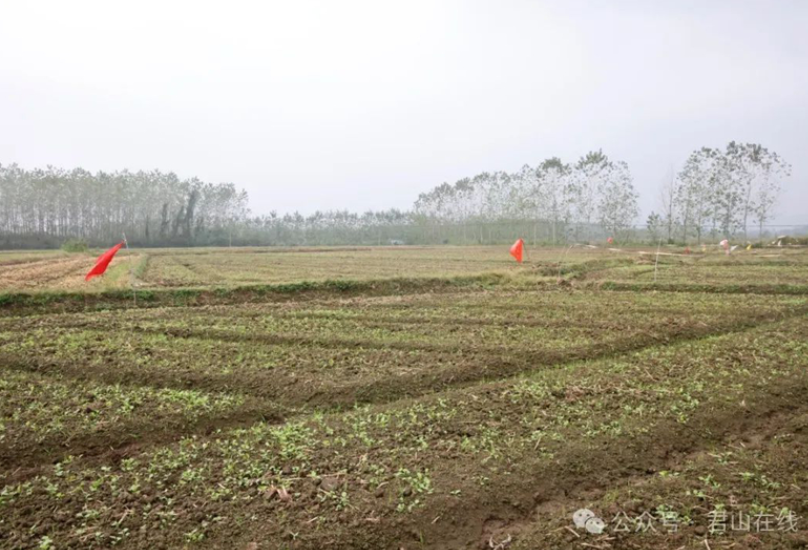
[{"x": 730, "y": 192}]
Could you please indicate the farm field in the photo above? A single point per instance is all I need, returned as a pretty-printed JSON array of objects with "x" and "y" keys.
[
  {"x": 200, "y": 268},
  {"x": 206, "y": 267},
  {"x": 404, "y": 397}
]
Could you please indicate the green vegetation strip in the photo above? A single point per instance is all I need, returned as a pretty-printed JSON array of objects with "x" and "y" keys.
[
  {"x": 763, "y": 288},
  {"x": 120, "y": 298},
  {"x": 46, "y": 417},
  {"x": 333, "y": 359}
]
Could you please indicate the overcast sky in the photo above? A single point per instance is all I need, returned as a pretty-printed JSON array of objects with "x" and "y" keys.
[{"x": 363, "y": 105}]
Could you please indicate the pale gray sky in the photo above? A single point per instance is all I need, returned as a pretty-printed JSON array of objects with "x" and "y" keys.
[{"x": 358, "y": 105}]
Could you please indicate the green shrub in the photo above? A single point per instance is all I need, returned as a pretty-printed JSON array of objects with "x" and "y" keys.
[{"x": 75, "y": 245}]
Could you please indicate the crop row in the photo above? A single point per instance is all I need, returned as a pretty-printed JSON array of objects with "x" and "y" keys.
[
  {"x": 365, "y": 350},
  {"x": 43, "y": 416},
  {"x": 510, "y": 310},
  {"x": 708, "y": 274}
]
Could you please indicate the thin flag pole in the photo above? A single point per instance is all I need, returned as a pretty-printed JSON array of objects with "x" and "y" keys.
[
  {"x": 131, "y": 277},
  {"x": 563, "y": 256},
  {"x": 656, "y": 261}
]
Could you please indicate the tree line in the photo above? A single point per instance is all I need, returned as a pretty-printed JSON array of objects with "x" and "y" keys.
[
  {"x": 43, "y": 207},
  {"x": 571, "y": 200},
  {"x": 720, "y": 192},
  {"x": 717, "y": 192}
]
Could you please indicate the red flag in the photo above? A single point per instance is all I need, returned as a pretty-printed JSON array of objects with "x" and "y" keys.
[
  {"x": 516, "y": 250},
  {"x": 103, "y": 261}
]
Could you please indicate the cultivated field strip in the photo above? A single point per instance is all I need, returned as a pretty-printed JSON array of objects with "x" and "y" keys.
[
  {"x": 64, "y": 273},
  {"x": 40, "y": 272},
  {"x": 553, "y": 307},
  {"x": 45, "y": 417},
  {"x": 708, "y": 274},
  {"x": 755, "y": 269},
  {"x": 173, "y": 273},
  {"x": 207, "y": 269},
  {"x": 447, "y": 455},
  {"x": 299, "y": 359},
  {"x": 8, "y": 258}
]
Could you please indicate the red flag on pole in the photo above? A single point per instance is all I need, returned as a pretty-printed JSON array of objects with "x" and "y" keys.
[
  {"x": 516, "y": 250},
  {"x": 103, "y": 261}
]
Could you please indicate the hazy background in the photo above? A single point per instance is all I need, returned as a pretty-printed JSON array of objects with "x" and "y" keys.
[{"x": 363, "y": 105}]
